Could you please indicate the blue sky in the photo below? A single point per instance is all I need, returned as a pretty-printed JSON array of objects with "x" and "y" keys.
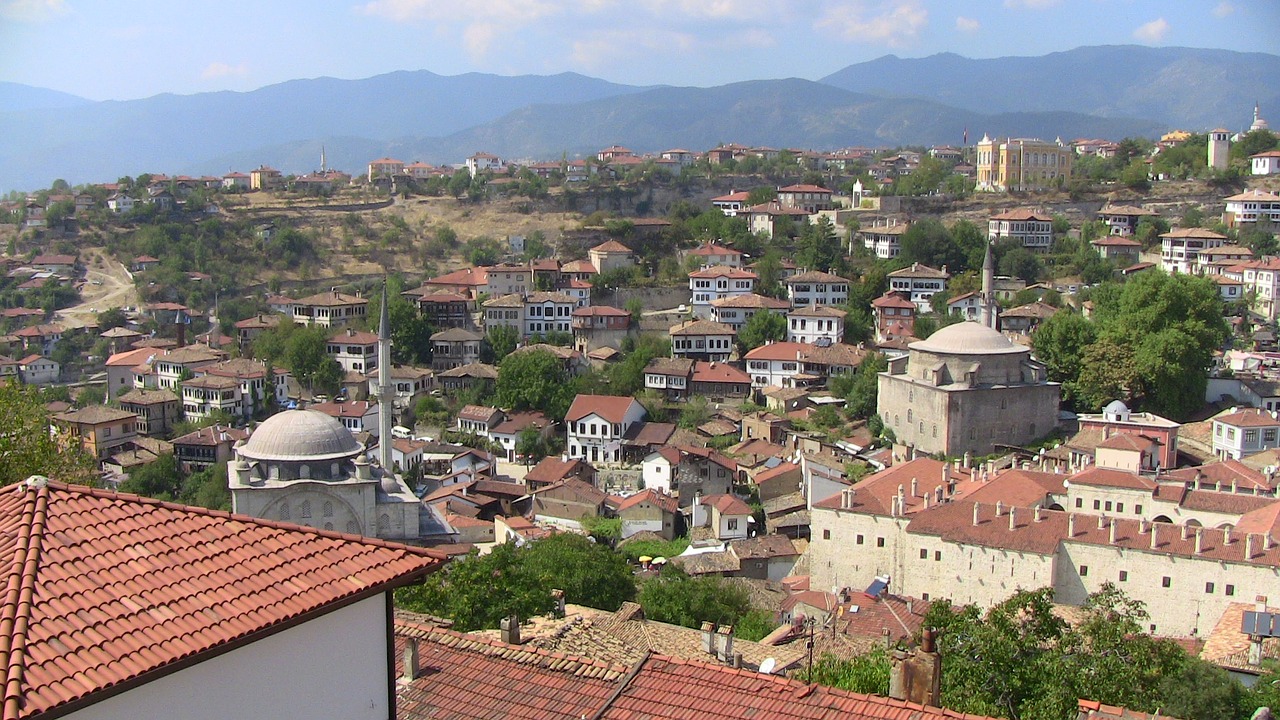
[{"x": 123, "y": 49}]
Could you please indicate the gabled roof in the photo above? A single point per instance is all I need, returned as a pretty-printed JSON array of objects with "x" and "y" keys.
[
  {"x": 713, "y": 372},
  {"x": 610, "y": 408},
  {"x": 710, "y": 248},
  {"x": 1198, "y": 233},
  {"x": 654, "y": 497},
  {"x": 751, "y": 301},
  {"x": 815, "y": 276},
  {"x": 723, "y": 271},
  {"x": 611, "y": 246},
  {"x": 1022, "y": 215},
  {"x": 702, "y": 327},
  {"x": 669, "y": 366},
  {"x": 94, "y": 415},
  {"x": 895, "y": 300},
  {"x": 86, "y": 619},
  {"x": 1106, "y": 477},
  {"x": 1115, "y": 241},
  {"x": 919, "y": 271},
  {"x": 552, "y": 469},
  {"x": 726, "y": 504},
  {"x": 792, "y": 351}
]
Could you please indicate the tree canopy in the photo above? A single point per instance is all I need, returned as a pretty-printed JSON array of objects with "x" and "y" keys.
[
  {"x": 477, "y": 592},
  {"x": 534, "y": 380},
  {"x": 25, "y": 444},
  {"x": 761, "y": 328}
]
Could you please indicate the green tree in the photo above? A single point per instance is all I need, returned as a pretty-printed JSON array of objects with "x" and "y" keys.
[
  {"x": 676, "y": 598},
  {"x": 819, "y": 248},
  {"x": 26, "y": 445},
  {"x": 500, "y": 340},
  {"x": 477, "y": 592},
  {"x": 1017, "y": 261},
  {"x": 867, "y": 673},
  {"x": 534, "y": 380},
  {"x": 930, "y": 243},
  {"x": 158, "y": 479},
  {"x": 207, "y": 488},
  {"x": 1060, "y": 343},
  {"x": 764, "y": 326},
  {"x": 1107, "y": 372}
]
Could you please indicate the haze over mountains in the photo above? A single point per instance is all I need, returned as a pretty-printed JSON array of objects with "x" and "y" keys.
[{"x": 1109, "y": 92}]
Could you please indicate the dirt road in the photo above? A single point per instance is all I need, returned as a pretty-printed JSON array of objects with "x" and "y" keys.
[{"x": 107, "y": 285}]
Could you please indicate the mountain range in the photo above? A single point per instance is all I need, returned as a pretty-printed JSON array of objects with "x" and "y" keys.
[{"x": 1109, "y": 92}]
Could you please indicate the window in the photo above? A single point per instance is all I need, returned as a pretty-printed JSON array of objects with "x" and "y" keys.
[
  {"x": 1137, "y": 509},
  {"x": 1119, "y": 507},
  {"x": 1124, "y": 576},
  {"x": 1084, "y": 570},
  {"x": 826, "y": 534},
  {"x": 1079, "y": 502},
  {"x": 924, "y": 553},
  {"x": 879, "y": 542},
  {"x": 1166, "y": 581},
  {"x": 1231, "y": 590},
  {"x": 1108, "y": 506},
  {"x": 1208, "y": 588},
  {"x": 859, "y": 539},
  {"x": 1097, "y": 504},
  {"x": 733, "y": 524},
  {"x": 937, "y": 556}
]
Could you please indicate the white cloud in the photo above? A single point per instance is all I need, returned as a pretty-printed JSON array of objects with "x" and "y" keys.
[
  {"x": 514, "y": 12},
  {"x": 742, "y": 10},
  {"x": 1223, "y": 9},
  {"x": 892, "y": 23},
  {"x": 220, "y": 70},
  {"x": 33, "y": 10},
  {"x": 478, "y": 38},
  {"x": 967, "y": 25},
  {"x": 1152, "y": 32},
  {"x": 1030, "y": 4},
  {"x": 602, "y": 49}
]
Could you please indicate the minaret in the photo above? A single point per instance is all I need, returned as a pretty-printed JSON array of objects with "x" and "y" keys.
[
  {"x": 324, "y": 166},
  {"x": 988, "y": 298},
  {"x": 386, "y": 386}
]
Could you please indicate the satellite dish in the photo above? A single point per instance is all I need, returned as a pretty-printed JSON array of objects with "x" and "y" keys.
[{"x": 767, "y": 666}]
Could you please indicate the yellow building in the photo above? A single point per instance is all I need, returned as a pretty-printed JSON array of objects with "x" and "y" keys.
[{"x": 1021, "y": 164}]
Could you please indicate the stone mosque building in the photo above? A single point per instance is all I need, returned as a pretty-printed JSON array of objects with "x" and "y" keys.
[
  {"x": 306, "y": 467},
  {"x": 965, "y": 389}
]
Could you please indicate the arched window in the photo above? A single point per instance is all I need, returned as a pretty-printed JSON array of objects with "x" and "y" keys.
[
  {"x": 351, "y": 527},
  {"x": 304, "y": 510},
  {"x": 284, "y": 511},
  {"x": 328, "y": 526},
  {"x": 384, "y": 523},
  {"x": 304, "y": 471},
  {"x": 328, "y": 509}
]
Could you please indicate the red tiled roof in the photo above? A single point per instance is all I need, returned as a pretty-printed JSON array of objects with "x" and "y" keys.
[
  {"x": 780, "y": 351},
  {"x": 85, "y": 617},
  {"x": 727, "y": 504},
  {"x": 1106, "y": 477},
  {"x": 611, "y": 408},
  {"x": 804, "y": 188},
  {"x": 654, "y": 497},
  {"x": 1115, "y": 241},
  {"x": 1022, "y": 214},
  {"x": 1251, "y": 417},
  {"x": 724, "y": 271},
  {"x": 710, "y": 372},
  {"x": 552, "y": 469},
  {"x": 611, "y": 246}
]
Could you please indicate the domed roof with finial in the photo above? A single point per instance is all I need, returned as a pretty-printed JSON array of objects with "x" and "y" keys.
[
  {"x": 300, "y": 435},
  {"x": 1258, "y": 122},
  {"x": 968, "y": 338}
]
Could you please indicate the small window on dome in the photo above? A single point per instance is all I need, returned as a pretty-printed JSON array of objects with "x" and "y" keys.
[
  {"x": 284, "y": 511},
  {"x": 328, "y": 509}
]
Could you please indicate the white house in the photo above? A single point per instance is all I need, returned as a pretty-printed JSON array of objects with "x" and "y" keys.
[
  {"x": 702, "y": 340},
  {"x": 717, "y": 283},
  {"x": 483, "y": 162},
  {"x": 737, "y": 310},
  {"x": 1266, "y": 163},
  {"x": 968, "y": 306},
  {"x": 204, "y": 628},
  {"x": 596, "y": 425},
  {"x": 355, "y": 350},
  {"x": 731, "y": 204},
  {"x": 815, "y": 324},
  {"x": 817, "y": 288},
  {"x": 1240, "y": 433},
  {"x": 727, "y": 517},
  {"x": 919, "y": 283},
  {"x": 1180, "y": 248},
  {"x": 546, "y": 312},
  {"x": 1250, "y": 205},
  {"x": 1032, "y": 229},
  {"x": 355, "y": 415},
  {"x": 776, "y": 364},
  {"x": 710, "y": 254},
  {"x": 38, "y": 370},
  {"x": 885, "y": 241}
]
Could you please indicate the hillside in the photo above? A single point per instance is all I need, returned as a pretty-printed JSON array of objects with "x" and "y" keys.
[
  {"x": 16, "y": 97},
  {"x": 1189, "y": 88}
]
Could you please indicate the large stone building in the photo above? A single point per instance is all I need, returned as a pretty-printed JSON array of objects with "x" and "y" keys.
[
  {"x": 1189, "y": 543},
  {"x": 967, "y": 388},
  {"x": 1021, "y": 164}
]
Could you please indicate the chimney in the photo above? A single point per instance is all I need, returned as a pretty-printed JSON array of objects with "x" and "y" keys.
[
  {"x": 915, "y": 487},
  {"x": 927, "y": 497},
  {"x": 917, "y": 677},
  {"x": 975, "y": 514},
  {"x": 1199, "y": 540},
  {"x": 999, "y": 508},
  {"x": 1013, "y": 523},
  {"x": 1102, "y": 521},
  {"x": 1111, "y": 538},
  {"x": 1037, "y": 513},
  {"x": 509, "y": 630},
  {"x": 968, "y": 459},
  {"x": 708, "y": 638},
  {"x": 409, "y": 671},
  {"x": 558, "y": 596},
  {"x": 1248, "y": 546},
  {"x": 1155, "y": 542},
  {"x": 724, "y": 643},
  {"x": 1226, "y": 536},
  {"x": 1071, "y": 525},
  {"x": 1186, "y": 531}
]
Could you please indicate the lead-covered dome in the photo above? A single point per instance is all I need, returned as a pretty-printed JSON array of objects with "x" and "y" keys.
[
  {"x": 300, "y": 435},
  {"x": 968, "y": 338}
]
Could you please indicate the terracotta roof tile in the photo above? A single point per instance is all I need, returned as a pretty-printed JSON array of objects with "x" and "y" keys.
[{"x": 100, "y": 615}]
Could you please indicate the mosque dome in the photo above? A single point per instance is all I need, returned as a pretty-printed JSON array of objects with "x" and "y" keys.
[
  {"x": 1258, "y": 122},
  {"x": 299, "y": 435},
  {"x": 968, "y": 338}
]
